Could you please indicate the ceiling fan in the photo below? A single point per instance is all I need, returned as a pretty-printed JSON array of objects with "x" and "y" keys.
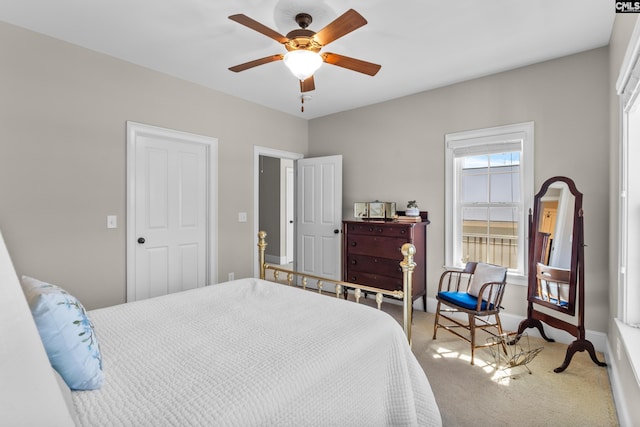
[{"x": 303, "y": 46}]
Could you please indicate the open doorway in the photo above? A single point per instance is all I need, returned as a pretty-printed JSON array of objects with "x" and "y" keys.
[
  {"x": 274, "y": 204},
  {"x": 275, "y": 209}
]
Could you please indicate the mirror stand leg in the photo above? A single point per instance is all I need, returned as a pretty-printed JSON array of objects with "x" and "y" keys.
[
  {"x": 579, "y": 345},
  {"x": 533, "y": 323}
]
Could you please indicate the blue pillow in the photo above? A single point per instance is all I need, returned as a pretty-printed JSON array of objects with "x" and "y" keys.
[{"x": 67, "y": 334}]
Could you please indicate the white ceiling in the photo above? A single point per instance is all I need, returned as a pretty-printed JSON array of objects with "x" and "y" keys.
[{"x": 421, "y": 44}]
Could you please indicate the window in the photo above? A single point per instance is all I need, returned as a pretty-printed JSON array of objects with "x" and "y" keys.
[
  {"x": 628, "y": 314},
  {"x": 629, "y": 195},
  {"x": 489, "y": 191}
]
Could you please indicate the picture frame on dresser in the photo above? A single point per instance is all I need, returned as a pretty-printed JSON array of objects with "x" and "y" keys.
[{"x": 371, "y": 253}]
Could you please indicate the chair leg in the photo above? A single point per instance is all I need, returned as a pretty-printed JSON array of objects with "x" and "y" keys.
[
  {"x": 499, "y": 324},
  {"x": 472, "y": 331},
  {"x": 435, "y": 323}
]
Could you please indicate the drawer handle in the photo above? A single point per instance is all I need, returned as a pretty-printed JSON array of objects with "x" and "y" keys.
[
  {"x": 354, "y": 243},
  {"x": 370, "y": 228},
  {"x": 403, "y": 231},
  {"x": 354, "y": 262}
]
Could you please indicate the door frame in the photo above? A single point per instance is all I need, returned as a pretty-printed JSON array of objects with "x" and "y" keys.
[
  {"x": 290, "y": 209},
  {"x": 135, "y": 129},
  {"x": 269, "y": 152}
]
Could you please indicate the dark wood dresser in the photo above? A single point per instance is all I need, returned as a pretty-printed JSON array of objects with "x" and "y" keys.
[{"x": 371, "y": 253}]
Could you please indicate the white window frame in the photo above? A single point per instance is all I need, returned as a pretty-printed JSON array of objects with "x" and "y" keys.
[
  {"x": 628, "y": 89},
  {"x": 514, "y": 137}
]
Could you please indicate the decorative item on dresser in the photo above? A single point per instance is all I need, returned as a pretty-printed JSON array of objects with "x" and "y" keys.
[
  {"x": 371, "y": 253},
  {"x": 374, "y": 210},
  {"x": 412, "y": 209}
]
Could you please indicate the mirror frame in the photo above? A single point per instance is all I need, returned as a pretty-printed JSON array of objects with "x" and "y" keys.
[
  {"x": 536, "y": 243},
  {"x": 576, "y": 281}
]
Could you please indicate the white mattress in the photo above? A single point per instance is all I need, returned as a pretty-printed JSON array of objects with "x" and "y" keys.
[{"x": 251, "y": 352}]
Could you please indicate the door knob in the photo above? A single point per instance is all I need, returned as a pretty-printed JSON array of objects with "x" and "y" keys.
[
  {"x": 336, "y": 231},
  {"x": 141, "y": 240}
]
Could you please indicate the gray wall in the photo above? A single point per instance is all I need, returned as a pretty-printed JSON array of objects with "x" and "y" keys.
[
  {"x": 63, "y": 111},
  {"x": 394, "y": 151}
]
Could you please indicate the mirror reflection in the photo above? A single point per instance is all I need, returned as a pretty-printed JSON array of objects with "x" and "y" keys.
[
  {"x": 554, "y": 224},
  {"x": 556, "y": 221}
]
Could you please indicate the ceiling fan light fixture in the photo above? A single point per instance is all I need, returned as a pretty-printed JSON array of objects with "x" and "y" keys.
[{"x": 302, "y": 63}]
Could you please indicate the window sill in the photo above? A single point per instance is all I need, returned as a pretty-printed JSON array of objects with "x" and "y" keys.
[
  {"x": 517, "y": 279},
  {"x": 630, "y": 338}
]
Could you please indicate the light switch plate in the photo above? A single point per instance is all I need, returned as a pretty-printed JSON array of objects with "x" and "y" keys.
[
  {"x": 112, "y": 221},
  {"x": 242, "y": 217}
]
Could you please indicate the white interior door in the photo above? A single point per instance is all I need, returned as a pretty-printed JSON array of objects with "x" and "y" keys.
[
  {"x": 319, "y": 216},
  {"x": 169, "y": 227}
]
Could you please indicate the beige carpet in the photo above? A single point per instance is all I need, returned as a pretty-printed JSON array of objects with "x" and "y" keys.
[
  {"x": 486, "y": 394},
  {"x": 483, "y": 395}
]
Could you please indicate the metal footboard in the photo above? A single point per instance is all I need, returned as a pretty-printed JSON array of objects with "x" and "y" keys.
[{"x": 340, "y": 288}]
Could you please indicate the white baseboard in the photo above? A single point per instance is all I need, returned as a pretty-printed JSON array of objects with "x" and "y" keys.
[
  {"x": 510, "y": 322},
  {"x": 624, "y": 419}
]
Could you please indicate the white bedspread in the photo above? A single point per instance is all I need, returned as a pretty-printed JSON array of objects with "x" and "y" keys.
[{"x": 251, "y": 352}]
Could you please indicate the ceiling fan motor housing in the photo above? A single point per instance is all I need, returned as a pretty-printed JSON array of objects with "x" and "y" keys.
[{"x": 302, "y": 39}]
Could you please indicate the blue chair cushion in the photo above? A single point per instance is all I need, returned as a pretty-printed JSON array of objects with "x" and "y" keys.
[
  {"x": 562, "y": 303},
  {"x": 462, "y": 299}
]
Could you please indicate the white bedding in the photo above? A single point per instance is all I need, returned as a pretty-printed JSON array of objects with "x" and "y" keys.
[{"x": 252, "y": 352}]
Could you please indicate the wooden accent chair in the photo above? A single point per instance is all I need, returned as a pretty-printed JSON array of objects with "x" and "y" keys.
[{"x": 476, "y": 292}]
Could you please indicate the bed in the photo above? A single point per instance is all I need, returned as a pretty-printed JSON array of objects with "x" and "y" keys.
[{"x": 246, "y": 352}]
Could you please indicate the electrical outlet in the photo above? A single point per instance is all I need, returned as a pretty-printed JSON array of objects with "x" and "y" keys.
[
  {"x": 231, "y": 276},
  {"x": 242, "y": 217}
]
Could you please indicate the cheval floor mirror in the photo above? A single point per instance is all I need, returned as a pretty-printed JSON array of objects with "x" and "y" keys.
[{"x": 556, "y": 266}]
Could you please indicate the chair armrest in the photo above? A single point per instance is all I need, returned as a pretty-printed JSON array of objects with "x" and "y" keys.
[
  {"x": 454, "y": 281},
  {"x": 495, "y": 292}
]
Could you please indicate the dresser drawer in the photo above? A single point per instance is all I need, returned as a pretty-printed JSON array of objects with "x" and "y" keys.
[
  {"x": 380, "y": 229},
  {"x": 375, "y": 280},
  {"x": 364, "y": 263},
  {"x": 375, "y": 246},
  {"x": 371, "y": 253}
]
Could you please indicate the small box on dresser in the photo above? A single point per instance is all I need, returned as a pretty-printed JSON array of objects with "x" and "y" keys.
[{"x": 371, "y": 253}]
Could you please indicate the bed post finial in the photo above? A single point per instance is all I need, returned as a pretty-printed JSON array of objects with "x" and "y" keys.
[
  {"x": 408, "y": 265},
  {"x": 262, "y": 245}
]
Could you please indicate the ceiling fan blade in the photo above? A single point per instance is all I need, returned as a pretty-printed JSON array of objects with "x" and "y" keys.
[
  {"x": 256, "y": 26},
  {"x": 351, "y": 63},
  {"x": 307, "y": 85},
  {"x": 256, "y": 62},
  {"x": 342, "y": 25}
]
